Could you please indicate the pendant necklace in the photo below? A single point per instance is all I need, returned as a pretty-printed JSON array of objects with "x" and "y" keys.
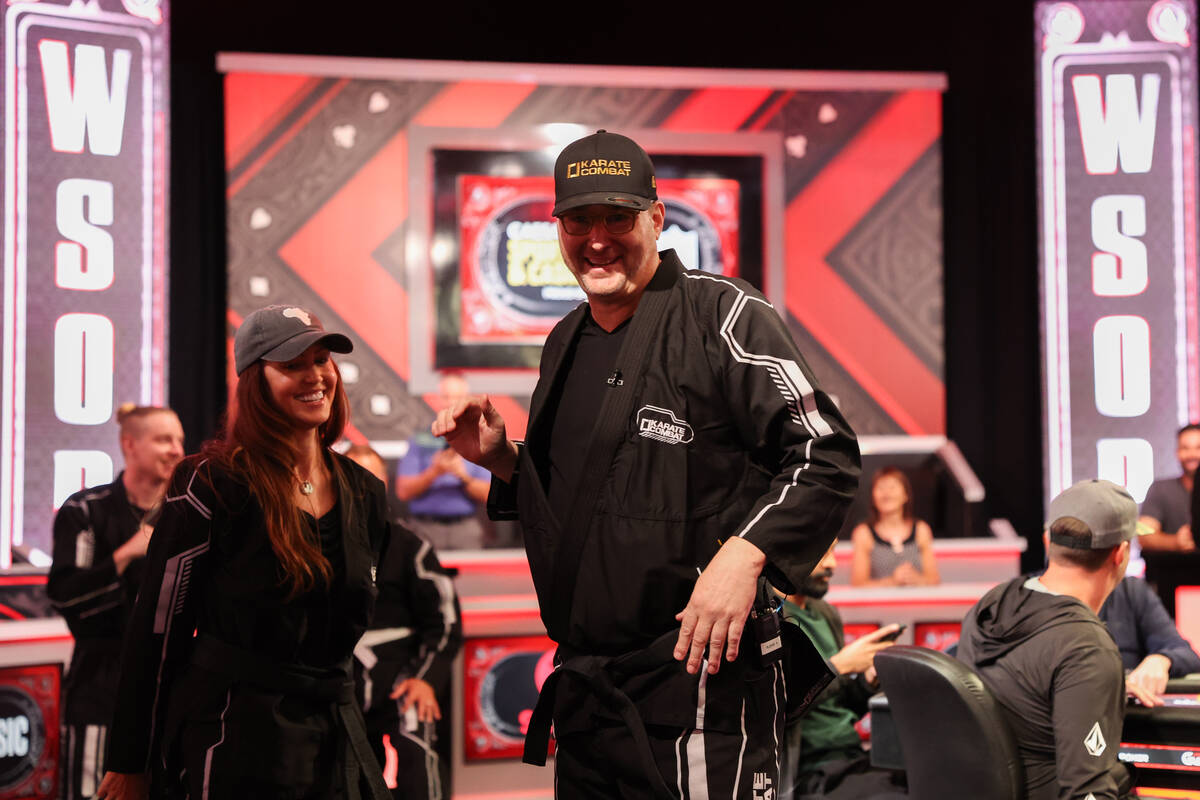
[{"x": 306, "y": 487}]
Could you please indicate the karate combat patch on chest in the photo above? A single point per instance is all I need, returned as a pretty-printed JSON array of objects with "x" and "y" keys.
[{"x": 662, "y": 425}]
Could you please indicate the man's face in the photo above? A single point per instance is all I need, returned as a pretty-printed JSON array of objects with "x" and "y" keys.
[
  {"x": 1188, "y": 452},
  {"x": 611, "y": 267},
  {"x": 817, "y": 582},
  {"x": 154, "y": 453}
]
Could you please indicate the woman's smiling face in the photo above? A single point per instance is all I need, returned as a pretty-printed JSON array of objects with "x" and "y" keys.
[{"x": 303, "y": 387}]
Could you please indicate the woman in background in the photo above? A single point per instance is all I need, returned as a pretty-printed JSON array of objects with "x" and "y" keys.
[
  {"x": 265, "y": 551},
  {"x": 892, "y": 548},
  {"x": 100, "y": 538}
]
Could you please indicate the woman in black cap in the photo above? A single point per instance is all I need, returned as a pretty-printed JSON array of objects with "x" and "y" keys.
[{"x": 260, "y": 579}]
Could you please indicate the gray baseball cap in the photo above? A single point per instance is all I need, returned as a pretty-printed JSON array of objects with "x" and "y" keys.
[
  {"x": 280, "y": 333},
  {"x": 1108, "y": 510}
]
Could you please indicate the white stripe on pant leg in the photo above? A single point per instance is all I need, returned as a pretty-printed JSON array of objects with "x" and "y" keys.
[
  {"x": 208, "y": 757},
  {"x": 87, "y": 766},
  {"x": 737, "y": 774},
  {"x": 697, "y": 766},
  {"x": 432, "y": 776},
  {"x": 775, "y": 717},
  {"x": 101, "y": 751},
  {"x": 679, "y": 764}
]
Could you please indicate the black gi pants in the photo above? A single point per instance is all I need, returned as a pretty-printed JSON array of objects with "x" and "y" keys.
[{"x": 731, "y": 749}]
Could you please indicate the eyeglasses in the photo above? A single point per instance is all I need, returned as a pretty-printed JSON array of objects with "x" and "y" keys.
[{"x": 615, "y": 222}]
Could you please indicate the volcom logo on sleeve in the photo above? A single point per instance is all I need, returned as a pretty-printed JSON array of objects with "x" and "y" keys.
[
  {"x": 1094, "y": 741},
  {"x": 662, "y": 425}
]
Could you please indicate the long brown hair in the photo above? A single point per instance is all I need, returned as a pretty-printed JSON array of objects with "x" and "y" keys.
[
  {"x": 256, "y": 447},
  {"x": 897, "y": 473}
]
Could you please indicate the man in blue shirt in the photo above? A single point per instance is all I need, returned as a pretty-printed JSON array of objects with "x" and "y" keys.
[
  {"x": 442, "y": 488},
  {"x": 1150, "y": 644}
]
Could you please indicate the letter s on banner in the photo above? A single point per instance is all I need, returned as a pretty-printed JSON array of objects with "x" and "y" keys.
[
  {"x": 71, "y": 271},
  {"x": 83, "y": 369},
  {"x": 1120, "y": 268}
]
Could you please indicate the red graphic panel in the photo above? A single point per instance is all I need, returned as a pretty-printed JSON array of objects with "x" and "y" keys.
[
  {"x": 514, "y": 283},
  {"x": 29, "y": 737},
  {"x": 501, "y": 680},
  {"x": 853, "y": 630},
  {"x": 937, "y": 635}
]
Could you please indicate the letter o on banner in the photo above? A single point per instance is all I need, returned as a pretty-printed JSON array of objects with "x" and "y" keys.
[
  {"x": 1128, "y": 463},
  {"x": 1121, "y": 356},
  {"x": 83, "y": 369}
]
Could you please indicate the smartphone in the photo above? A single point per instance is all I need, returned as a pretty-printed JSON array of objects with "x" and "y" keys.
[{"x": 894, "y": 635}]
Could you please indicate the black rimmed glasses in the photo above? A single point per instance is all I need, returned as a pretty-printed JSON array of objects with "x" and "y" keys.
[{"x": 615, "y": 222}]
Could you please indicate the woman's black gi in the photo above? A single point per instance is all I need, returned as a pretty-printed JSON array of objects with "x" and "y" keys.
[{"x": 229, "y": 689}]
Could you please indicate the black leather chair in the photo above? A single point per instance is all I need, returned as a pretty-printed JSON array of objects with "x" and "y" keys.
[{"x": 952, "y": 732}]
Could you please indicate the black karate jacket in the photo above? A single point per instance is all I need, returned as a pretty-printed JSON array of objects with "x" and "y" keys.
[
  {"x": 95, "y": 601},
  {"x": 211, "y": 571},
  {"x": 417, "y": 628},
  {"x": 730, "y": 436}
]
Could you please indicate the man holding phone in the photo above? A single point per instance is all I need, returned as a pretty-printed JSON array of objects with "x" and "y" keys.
[{"x": 824, "y": 756}]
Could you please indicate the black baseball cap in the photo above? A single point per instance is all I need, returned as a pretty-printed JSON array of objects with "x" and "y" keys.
[
  {"x": 280, "y": 333},
  {"x": 1108, "y": 510},
  {"x": 603, "y": 169}
]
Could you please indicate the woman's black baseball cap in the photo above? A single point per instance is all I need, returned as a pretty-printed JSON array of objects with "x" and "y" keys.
[{"x": 603, "y": 169}]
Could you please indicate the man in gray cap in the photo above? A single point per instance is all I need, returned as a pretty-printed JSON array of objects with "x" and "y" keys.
[
  {"x": 678, "y": 449},
  {"x": 1042, "y": 651}
]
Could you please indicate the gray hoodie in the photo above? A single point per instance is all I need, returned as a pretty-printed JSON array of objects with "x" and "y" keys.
[{"x": 1057, "y": 674}]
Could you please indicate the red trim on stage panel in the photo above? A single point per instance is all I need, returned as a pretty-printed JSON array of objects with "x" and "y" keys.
[
  {"x": 270, "y": 152},
  {"x": 22, "y": 580},
  {"x": 718, "y": 109},
  {"x": 768, "y": 115},
  {"x": 820, "y": 217},
  {"x": 338, "y": 241},
  {"x": 255, "y": 102},
  {"x": 473, "y": 104}
]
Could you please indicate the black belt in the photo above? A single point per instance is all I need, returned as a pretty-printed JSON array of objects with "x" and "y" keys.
[
  {"x": 596, "y": 674},
  {"x": 442, "y": 520},
  {"x": 243, "y": 665}
]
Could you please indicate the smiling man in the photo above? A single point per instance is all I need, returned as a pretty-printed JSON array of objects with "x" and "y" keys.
[{"x": 678, "y": 449}]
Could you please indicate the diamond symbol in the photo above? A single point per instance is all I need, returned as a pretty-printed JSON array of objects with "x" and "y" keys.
[
  {"x": 378, "y": 103},
  {"x": 260, "y": 218}
]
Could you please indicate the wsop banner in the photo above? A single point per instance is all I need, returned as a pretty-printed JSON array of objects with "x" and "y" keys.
[
  {"x": 84, "y": 242},
  {"x": 1117, "y": 119},
  {"x": 407, "y": 202}
]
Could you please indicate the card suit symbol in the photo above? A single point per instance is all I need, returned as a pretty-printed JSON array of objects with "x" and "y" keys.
[
  {"x": 797, "y": 146},
  {"x": 260, "y": 218},
  {"x": 378, "y": 102},
  {"x": 826, "y": 114},
  {"x": 343, "y": 136}
]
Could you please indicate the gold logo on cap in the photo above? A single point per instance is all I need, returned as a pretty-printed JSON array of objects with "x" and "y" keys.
[{"x": 598, "y": 166}]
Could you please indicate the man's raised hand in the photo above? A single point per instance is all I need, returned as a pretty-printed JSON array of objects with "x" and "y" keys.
[{"x": 475, "y": 430}]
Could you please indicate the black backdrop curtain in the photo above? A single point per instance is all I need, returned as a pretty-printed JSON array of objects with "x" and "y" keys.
[{"x": 986, "y": 48}]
